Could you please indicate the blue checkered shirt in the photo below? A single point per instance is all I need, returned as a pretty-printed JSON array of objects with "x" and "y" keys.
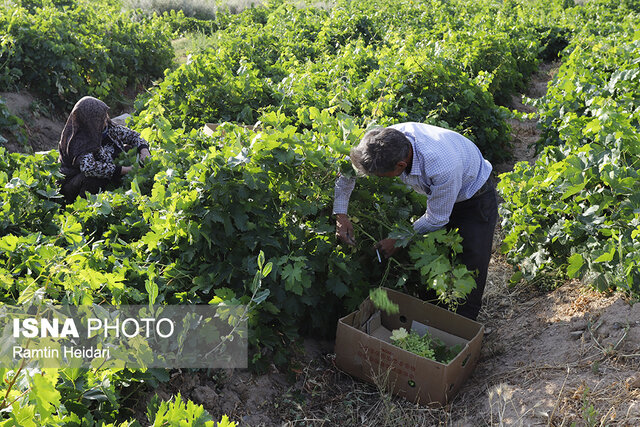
[{"x": 447, "y": 167}]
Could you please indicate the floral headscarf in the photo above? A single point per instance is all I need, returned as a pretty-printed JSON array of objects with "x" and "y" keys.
[{"x": 82, "y": 133}]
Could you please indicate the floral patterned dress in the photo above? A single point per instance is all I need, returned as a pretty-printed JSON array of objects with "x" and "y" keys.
[{"x": 115, "y": 139}]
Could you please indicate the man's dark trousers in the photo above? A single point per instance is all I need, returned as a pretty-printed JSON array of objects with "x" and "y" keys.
[{"x": 475, "y": 220}]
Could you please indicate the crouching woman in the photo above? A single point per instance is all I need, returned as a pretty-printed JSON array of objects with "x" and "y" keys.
[{"x": 88, "y": 146}]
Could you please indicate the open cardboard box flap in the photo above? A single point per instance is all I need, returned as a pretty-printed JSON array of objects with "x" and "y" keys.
[{"x": 447, "y": 338}]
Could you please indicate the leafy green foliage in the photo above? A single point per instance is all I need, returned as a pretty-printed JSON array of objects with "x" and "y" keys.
[
  {"x": 181, "y": 24},
  {"x": 187, "y": 222},
  {"x": 434, "y": 255},
  {"x": 34, "y": 397},
  {"x": 382, "y": 302},
  {"x": 64, "y": 52},
  {"x": 576, "y": 210},
  {"x": 425, "y": 346},
  {"x": 179, "y": 413},
  {"x": 199, "y": 221},
  {"x": 11, "y": 125},
  {"x": 378, "y": 62}
]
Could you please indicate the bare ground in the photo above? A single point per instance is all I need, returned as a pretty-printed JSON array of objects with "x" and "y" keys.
[
  {"x": 43, "y": 126},
  {"x": 565, "y": 357},
  {"x": 42, "y": 123}
]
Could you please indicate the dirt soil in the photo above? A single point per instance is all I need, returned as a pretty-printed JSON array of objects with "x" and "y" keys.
[{"x": 42, "y": 125}]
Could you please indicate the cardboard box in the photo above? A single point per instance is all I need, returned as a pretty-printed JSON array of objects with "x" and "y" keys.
[{"x": 363, "y": 349}]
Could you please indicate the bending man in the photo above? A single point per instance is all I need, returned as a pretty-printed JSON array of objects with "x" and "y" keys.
[{"x": 451, "y": 171}]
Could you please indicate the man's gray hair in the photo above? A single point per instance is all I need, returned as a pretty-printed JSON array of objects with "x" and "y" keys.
[{"x": 379, "y": 151}]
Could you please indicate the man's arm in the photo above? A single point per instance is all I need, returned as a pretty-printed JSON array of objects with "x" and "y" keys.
[
  {"x": 342, "y": 192},
  {"x": 444, "y": 192}
]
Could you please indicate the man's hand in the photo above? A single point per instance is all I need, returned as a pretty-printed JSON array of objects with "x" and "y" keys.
[
  {"x": 144, "y": 153},
  {"x": 387, "y": 247},
  {"x": 344, "y": 229}
]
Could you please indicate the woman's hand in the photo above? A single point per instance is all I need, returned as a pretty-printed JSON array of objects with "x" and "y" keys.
[
  {"x": 125, "y": 170},
  {"x": 144, "y": 153}
]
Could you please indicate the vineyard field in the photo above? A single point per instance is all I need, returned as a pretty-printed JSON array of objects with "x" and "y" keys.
[{"x": 243, "y": 214}]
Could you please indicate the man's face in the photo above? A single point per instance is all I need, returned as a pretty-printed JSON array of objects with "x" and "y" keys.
[
  {"x": 390, "y": 174},
  {"x": 400, "y": 167}
]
